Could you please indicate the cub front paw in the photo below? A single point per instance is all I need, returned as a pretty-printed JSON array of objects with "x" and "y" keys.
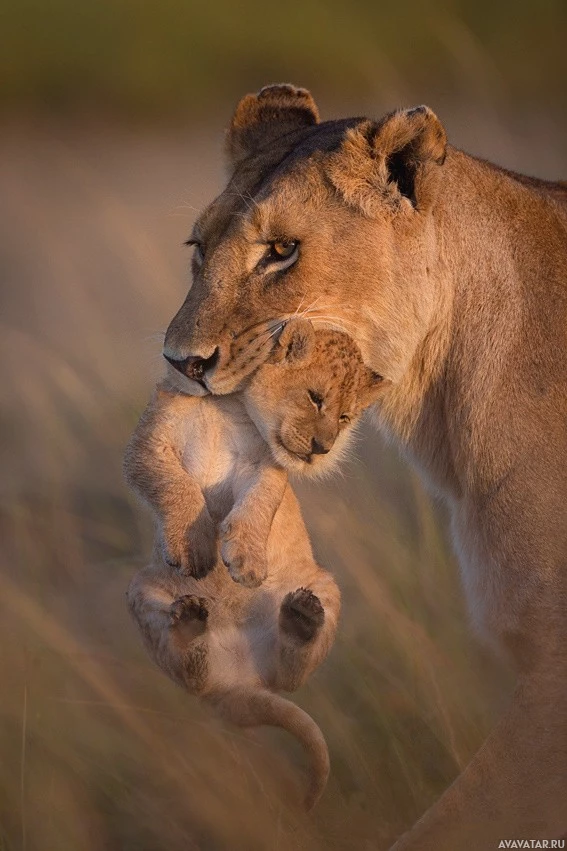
[
  {"x": 242, "y": 554},
  {"x": 301, "y": 614},
  {"x": 188, "y": 608},
  {"x": 194, "y": 552},
  {"x": 201, "y": 552}
]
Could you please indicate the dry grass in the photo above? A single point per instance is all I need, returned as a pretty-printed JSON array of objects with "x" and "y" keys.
[{"x": 97, "y": 749}]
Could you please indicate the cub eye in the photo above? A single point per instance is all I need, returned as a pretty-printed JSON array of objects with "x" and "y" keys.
[
  {"x": 283, "y": 251},
  {"x": 316, "y": 398},
  {"x": 344, "y": 418}
]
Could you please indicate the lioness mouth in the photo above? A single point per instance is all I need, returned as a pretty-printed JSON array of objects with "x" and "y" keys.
[
  {"x": 195, "y": 367},
  {"x": 201, "y": 382}
]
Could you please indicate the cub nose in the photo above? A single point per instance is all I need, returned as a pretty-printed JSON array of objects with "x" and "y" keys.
[
  {"x": 318, "y": 448},
  {"x": 193, "y": 366}
]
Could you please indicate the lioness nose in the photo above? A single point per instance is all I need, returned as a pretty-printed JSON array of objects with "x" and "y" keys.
[
  {"x": 318, "y": 448},
  {"x": 194, "y": 366}
]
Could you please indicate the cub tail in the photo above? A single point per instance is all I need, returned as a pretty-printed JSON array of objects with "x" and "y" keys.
[{"x": 247, "y": 707}]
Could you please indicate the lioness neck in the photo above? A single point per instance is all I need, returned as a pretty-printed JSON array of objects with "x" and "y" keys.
[{"x": 499, "y": 337}]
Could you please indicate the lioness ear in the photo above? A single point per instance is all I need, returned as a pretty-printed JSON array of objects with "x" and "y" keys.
[
  {"x": 261, "y": 118},
  {"x": 395, "y": 159},
  {"x": 295, "y": 342}
]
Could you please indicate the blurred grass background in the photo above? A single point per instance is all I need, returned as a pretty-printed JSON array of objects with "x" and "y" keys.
[
  {"x": 160, "y": 56},
  {"x": 111, "y": 117}
]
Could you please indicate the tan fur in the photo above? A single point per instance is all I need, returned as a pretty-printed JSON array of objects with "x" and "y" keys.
[
  {"x": 327, "y": 365},
  {"x": 202, "y": 465},
  {"x": 451, "y": 275},
  {"x": 257, "y": 115}
]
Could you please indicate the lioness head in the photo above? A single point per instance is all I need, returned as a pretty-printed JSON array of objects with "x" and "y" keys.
[
  {"x": 330, "y": 220},
  {"x": 307, "y": 396}
]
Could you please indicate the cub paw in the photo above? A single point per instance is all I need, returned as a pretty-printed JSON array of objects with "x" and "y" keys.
[
  {"x": 201, "y": 555},
  {"x": 241, "y": 554},
  {"x": 188, "y": 608},
  {"x": 301, "y": 614},
  {"x": 194, "y": 553}
]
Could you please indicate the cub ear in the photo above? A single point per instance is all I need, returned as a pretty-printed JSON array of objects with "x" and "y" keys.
[
  {"x": 261, "y": 118},
  {"x": 394, "y": 161},
  {"x": 295, "y": 343},
  {"x": 372, "y": 386}
]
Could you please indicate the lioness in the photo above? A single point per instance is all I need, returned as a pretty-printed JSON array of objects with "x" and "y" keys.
[
  {"x": 451, "y": 274},
  {"x": 203, "y": 464}
]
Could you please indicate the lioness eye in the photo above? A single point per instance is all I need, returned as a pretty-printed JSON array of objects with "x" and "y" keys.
[
  {"x": 344, "y": 418},
  {"x": 316, "y": 398},
  {"x": 283, "y": 251},
  {"x": 199, "y": 249}
]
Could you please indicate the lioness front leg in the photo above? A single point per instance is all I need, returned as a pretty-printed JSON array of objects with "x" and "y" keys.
[
  {"x": 244, "y": 532},
  {"x": 153, "y": 467}
]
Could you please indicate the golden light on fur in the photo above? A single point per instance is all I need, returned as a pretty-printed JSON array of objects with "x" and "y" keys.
[
  {"x": 234, "y": 621},
  {"x": 450, "y": 274}
]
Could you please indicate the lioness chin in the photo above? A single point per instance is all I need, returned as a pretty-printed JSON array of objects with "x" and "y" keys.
[{"x": 451, "y": 275}]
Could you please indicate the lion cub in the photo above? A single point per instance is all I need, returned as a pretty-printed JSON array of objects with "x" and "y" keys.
[{"x": 206, "y": 466}]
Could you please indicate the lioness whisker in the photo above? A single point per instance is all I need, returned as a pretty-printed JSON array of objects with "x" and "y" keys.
[
  {"x": 273, "y": 328},
  {"x": 340, "y": 320},
  {"x": 310, "y": 307},
  {"x": 298, "y": 308},
  {"x": 337, "y": 324},
  {"x": 323, "y": 311},
  {"x": 183, "y": 206},
  {"x": 277, "y": 328},
  {"x": 159, "y": 336},
  {"x": 242, "y": 197}
]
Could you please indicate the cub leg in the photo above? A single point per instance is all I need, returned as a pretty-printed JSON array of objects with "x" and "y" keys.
[
  {"x": 187, "y": 618},
  {"x": 307, "y": 626},
  {"x": 188, "y": 623},
  {"x": 174, "y": 630},
  {"x": 301, "y": 615},
  {"x": 244, "y": 532},
  {"x": 153, "y": 467}
]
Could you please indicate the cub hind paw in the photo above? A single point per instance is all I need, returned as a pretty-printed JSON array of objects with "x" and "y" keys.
[
  {"x": 188, "y": 608},
  {"x": 301, "y": 614}
]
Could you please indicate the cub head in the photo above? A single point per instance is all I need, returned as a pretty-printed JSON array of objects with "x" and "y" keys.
[
  {"x": 309, "y": 394},
  {"x": 332, "y": 220}
]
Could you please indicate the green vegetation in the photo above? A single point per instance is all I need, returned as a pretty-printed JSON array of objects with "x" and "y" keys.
[{"x": 148, "y": 57}]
